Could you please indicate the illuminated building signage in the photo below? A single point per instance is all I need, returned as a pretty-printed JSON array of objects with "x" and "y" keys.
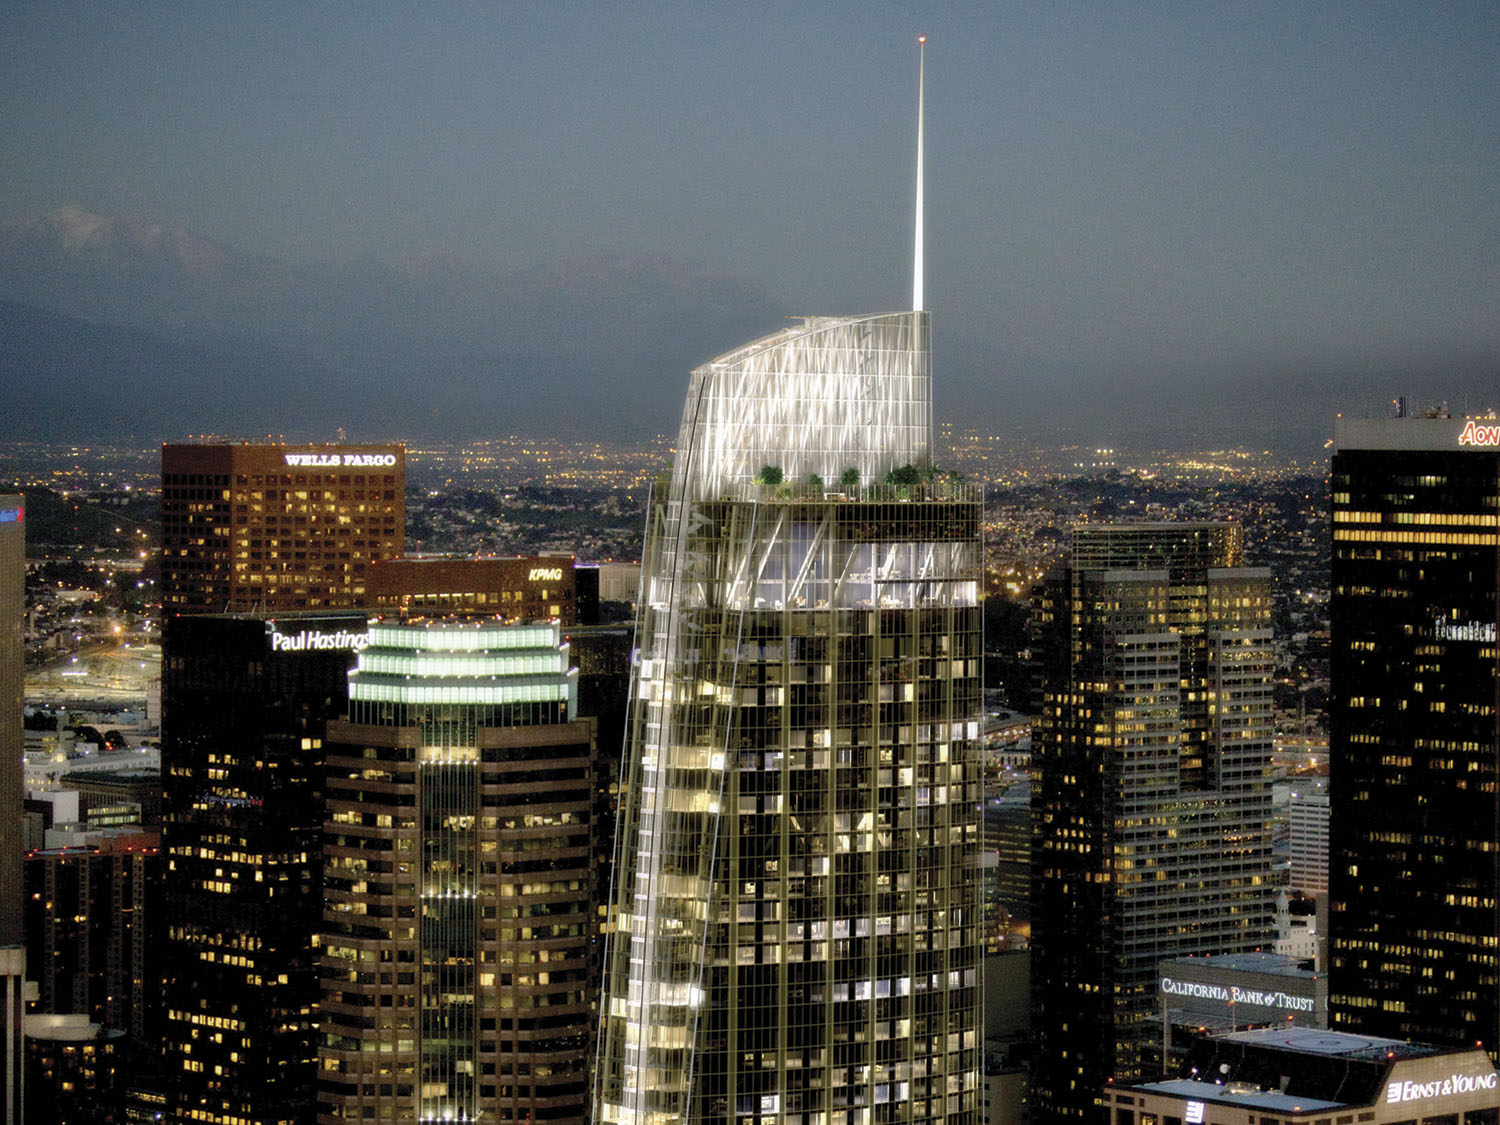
[
  {"x": 341, "y": 460},
  {"x": 1236, "y": 995},
  {"x": 1194, "y": 1113},
  {"x": 1408, "y": 1091},
  {"x": 12, "y": 515},
  {"x": 1475, "y": 434},
  {"x": 315, "y": 639},
  {"x": 545, "y": 574},
  {"x": 1445, "y": 630}
]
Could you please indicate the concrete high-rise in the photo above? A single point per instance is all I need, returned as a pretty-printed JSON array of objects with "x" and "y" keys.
[
  {"x": 794, "y": 933},
  {"x": 277, "y": 528},
  {"x": 1307, "y": 845},
  {"x": 1151, "y": 789},
  {"x": 1414, "y": 836},
  {"x": 458, "y": 922}
]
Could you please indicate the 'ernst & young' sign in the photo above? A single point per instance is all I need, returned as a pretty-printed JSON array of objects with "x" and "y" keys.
[
  {"x": 1408, "y": 1091},
  {"x": 340, "y": 460},
  {"x": 312, "y": 640},
  {"x": 1233, "y": 994}
]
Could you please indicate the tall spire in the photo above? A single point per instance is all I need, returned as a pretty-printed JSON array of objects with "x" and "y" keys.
[{"x": 917, "y": 296}]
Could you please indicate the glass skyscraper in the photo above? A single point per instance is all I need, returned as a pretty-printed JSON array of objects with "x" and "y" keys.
[
  {"x": 1414, "y": 835},
  {"x": 1151, "y": 790},
  {"x": 245, "y": 699},
  {"x": 795, "y": 910}
]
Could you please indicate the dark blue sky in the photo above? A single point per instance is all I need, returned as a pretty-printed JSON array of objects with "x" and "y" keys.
[{"x": 1130, "y": 205}]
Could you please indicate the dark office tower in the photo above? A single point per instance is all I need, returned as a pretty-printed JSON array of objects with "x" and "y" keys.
[
  {"x": 1414, "y": 877},
  {"x": 1151, "y": 789},
  {"x": 245, "y": 699},
  {"x": 12, "y": 688},
  {"x": 602, "y": 655},
  {"x": 273, "y": 528},
  {"x": 795, "y": 927},
  {"x": 72, "y": 1071},
  {"x": 88, "y": 912},
  {"x": 457, "y": 850},
  {"x": 12, "y": 746}
]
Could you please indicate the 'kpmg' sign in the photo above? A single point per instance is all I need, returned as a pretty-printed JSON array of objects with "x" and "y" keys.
[{"x": 340, "y": 460}]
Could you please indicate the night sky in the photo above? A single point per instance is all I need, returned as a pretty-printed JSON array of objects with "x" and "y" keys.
[{"x": 1210, "y": 220}]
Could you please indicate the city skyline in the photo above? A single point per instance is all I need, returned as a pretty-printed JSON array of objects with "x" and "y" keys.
[
  {"x": 1236, "y": 219},
  {"x": 1152, "y": 206}
]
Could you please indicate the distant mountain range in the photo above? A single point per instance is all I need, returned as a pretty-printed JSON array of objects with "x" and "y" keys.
[{"x": 113, "y": 326}]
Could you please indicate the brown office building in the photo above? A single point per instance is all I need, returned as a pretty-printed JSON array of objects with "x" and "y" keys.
[
  {"x": 277, "y": 527},
  {"x": 513, "y": 589},
  {"x": 458, "y": 915}
]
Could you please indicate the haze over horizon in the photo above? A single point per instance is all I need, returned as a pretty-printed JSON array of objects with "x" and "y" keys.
[{"x": 1204, "y": 223}]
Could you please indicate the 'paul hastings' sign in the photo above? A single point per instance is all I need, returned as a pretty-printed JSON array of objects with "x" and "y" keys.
[{"x": 310, "y": 640}]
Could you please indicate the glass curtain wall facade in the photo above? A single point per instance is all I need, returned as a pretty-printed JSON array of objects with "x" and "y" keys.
[
  {"x": 1414, "y": 835},
  {"x": 794, "y": 933},
  {"x": 1151, "y": 791},
  {"x": 245, "y": 700},
  {"x": 457, "y": 863}
]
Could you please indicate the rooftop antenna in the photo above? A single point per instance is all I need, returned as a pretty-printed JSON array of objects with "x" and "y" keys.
[{"x": 917, "y": 296}]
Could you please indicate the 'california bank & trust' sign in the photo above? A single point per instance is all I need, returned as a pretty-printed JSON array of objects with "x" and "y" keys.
[{"x": 1233, "y": 994}]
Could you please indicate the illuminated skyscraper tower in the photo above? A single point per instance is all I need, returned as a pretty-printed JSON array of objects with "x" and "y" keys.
[
  {"x": 795, "y": 911},
  {"x": 458, "y": 913},
  {"x": 795, "y": 932}
]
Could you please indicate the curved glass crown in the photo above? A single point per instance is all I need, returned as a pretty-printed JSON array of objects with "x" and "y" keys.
[{"x": 830, "y": 394}]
